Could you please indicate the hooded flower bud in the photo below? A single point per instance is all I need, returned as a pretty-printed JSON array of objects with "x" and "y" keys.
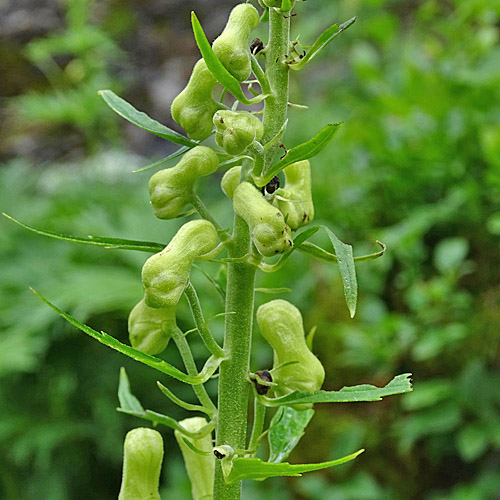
[
  {"x": 281, "y": 325},
  {"x": 267, "y": 226},
  {"x": 236, "y": 130},
  {"x": 200, "y": 468},
  {"x": 143, "y": 454},
  {"x": 165, "y": 275},
  {"x": 170, "y": 189},
  {"x": 149, "y": 328},
  {"x": 232, "y": 47},
  {"x": 194, "y": 107},
  {"x": 295, "y": 199}
]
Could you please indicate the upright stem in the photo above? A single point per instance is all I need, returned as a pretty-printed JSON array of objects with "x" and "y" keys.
[
  {"x": 276, "y": 106},
  {"x": 233, "y": 384}
]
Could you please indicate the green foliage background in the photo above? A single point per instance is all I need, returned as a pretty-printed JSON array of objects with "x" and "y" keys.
[{"x": 416, "y": 165}]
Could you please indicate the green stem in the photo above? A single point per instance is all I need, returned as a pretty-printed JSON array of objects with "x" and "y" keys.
[
  {"x": 276, "y": 105},
  {"x": 199, "y": 321},
  {"x": 187, "y": 358},
  {"x": 233, "y": 384}
]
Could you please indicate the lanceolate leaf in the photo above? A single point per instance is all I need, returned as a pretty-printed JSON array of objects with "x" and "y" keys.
[
  {"x": 142, "y": 120},
  {"x": 303, "y": 151},
  {"x": 254, "y": 468},
  {"x": 208, "y": 370},
  {"x": 168, "y": 158},
  {"x": 322, "y": 254},
  {"x": 113, "y": 243},
  {"x": 398, "y": 385},
  {"x": 220, "y": 73},
  {"x": 345, "y": 257},
  {"x": 287, "y": 428},
  {"x": 323, "y": 40}
]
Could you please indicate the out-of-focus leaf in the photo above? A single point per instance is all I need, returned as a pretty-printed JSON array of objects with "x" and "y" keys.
[
  {"x": 142, "y": 120},
  {"x": 287, "y": 428},
  {"x": 321, "y": 42},
  {"x": 301, "y": 152},
  {"x": 366, "y": 392},
  {"x": 273, "y": 290},
  {"x": 255, "y": 468},
  {"x": 113, "y": 243}
]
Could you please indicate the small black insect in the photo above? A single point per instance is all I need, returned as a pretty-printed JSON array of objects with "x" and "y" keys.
[
  {"x": 256, "y": 46},
  {"x": 261, "y": 388},
  {"x": 219, "y": 455},
  {"x": 271, "y": 186}
]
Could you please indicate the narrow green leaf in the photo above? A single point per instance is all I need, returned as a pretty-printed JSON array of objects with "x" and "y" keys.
[
  {"x": 287, "y": 428},
  {"x": 168, "y": 158},
  {"x": 398, "y": 385},
  {"x": 345, "y": 257},
  {"x": 142, "y": 120},
  {"x": 322, "y": 254},
  {"x": 286, "y": 5},
  {"x": 158, "y": 364},
  {"x": 273, "y": 290},
  {"x": 213, "y": 281},
  {"x": 127, "y": 400},
  {"x": 322, "y": 41},
  {"x": 220, "y": 73},
  {"x": 255, "y": 468},
  {"x": 170, "y": 395},
  {"x": 113, "y": 243},
  {"x": 301, "y": 152}
]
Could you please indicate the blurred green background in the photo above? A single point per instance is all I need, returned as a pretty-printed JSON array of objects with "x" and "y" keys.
[{"x": 416, "y": 165}]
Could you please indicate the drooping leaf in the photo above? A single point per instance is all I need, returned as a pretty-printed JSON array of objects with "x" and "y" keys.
[
  {"x": 345, "y": 258},
  {"x": 255, "y": 468},
  {"x": 128, "y": 402},
  {"x": 158, "y": 364},
  {"x": 322, "y": 254},
  {"x": 221, "y": 74},
  {"x": 366, "y": 392},
  {"x": 142, "y": 120},
  {"x": 287, "y": 428},
  {"x": 322, "y": 41},
  {"x": 112, "y": 243},
  {"x": 301, "y": 152},
  {"x": 168, "y": 158}
]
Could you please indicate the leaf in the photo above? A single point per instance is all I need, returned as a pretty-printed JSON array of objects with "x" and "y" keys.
[
  {"x": 158, "y": 364},
  {"x": 287, "y": 428},
  {"x": 113, "y": 243},
  {"x": 217, "y": 69},
  {"x": 286, "y": 5},
  {"x": 345, "y": 257},
  {"x": 398, "y": 385},
  {"x": 301, "y": 152},
  {"x": 128, "y": 401},
  {"x": 321, "y": 42},
  {"x": 168, "y": 158},
  {"x": 273, "y": 290},
  {"x": 322, "y": 254},
  {"x": 255, "y": 468},
  {"x": 142, "y": 120}
]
